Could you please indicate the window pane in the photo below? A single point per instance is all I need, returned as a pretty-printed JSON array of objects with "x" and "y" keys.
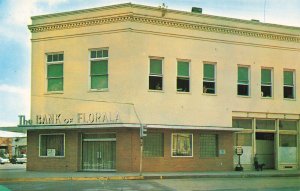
[
  {"x": 266, "y": 91},
  {"x": 54, "y": 70},
  {"x": 61, "y": 57},
  {"x": 55, "y": 84},
  {"x": 99, "y": 54},
  {"x": 266, "y": 76},
  {"x": 243, "y": 90},
  {"x": 242, "y": 123},
  {"x": 265, "y": 124},
  {"x": 183, "y": 84},
  {"x": 208, "y": 145},
  {"x": 155, "y": 66},
  {"x": 55, "y": 57},
  {"x": 182, "y": 144},
  {"x": 209, "y": 71},
  {"x": 153, "y": 145},
  {"x": 99, "y": 67},
  {"x": 183, "y": 68},
  {"x": 288, "y": 92},
  {"x": 105, "y": 53},
  {"x": 243, "y": 139},
  {"x": 52, "y": 145},
  {"x": 209, "y": 87},
  {"x": 49, "y": 58},
  {"x": 288, "y": 78},
  {"x": 155, "y": 83},
  {"x": 243, "y": 75},
  {"x": 288, "y": 141},
  {"x": 287, "y": 125},
  {"x": 99, "y": 82},
  {"x": 93, "y": 54}
]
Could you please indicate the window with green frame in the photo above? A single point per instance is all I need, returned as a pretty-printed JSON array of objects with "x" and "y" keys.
[
  {"x": 209, "y": 80},
  {"x": 153, "y": 145},
  {"x": 266, "y": 82},
  {"x": 209, "y": 145},
  {"x": 243, "y": 86},
  {"x": 289, "y": 84},
  {"x": 99, "y": 69},
  {"x": 183, "y": 76},
  {"x": 156, "y": 74},
  {"x": 55, "y": 72}
]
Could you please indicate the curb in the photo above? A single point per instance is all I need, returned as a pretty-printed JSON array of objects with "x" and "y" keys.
[{"x": 146, "y": 177}]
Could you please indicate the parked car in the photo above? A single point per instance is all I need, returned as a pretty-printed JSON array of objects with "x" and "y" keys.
[
  {"x": 19, "y": 159},
  {"x": 4, "y": 160}
]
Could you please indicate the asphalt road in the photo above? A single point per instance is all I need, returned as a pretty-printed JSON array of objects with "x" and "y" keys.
[{"x": 198, "y": 184}]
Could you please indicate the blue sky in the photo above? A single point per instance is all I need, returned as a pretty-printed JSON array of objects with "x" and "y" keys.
[{"x": 15, "y": 37}]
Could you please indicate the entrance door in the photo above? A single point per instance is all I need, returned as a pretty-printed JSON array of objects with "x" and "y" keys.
[
  {"x": 99, "y": 154},
  {"x": 265, "y": 149}
]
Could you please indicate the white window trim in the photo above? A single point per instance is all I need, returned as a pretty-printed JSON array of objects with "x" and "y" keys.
[
  {"x": 162, "y": 73},
  {"x": 294, "y": 85},
  {"x": 89, "y": 70},
  {"x": 215, "y": 79},
  {"x": 189, "y": 77},
  {"x": 192, "y": 146},
  {"x": 46, "y": 73},
  {"x": 272, "y": 82},
  {"x": 249, "y": 81},
  {"x": 40, "y": 135}
]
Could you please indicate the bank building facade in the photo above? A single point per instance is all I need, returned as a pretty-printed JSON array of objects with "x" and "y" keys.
[{"x": 131, "y": 88}]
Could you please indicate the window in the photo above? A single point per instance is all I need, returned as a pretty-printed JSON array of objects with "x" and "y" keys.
[
  {"x": 55, "y": 72},
  {"x": 52, "y": 145},
  {"x": 242, "y": 123},
  {"x": 209, "y": 81},
  {"x": 99, "y": 69},
  {"x": 288, "y": 125},
  {"x": 208, "y": 145},
  {"x": 243, "y": 81},
  {"x": 289, "y": 85},
  {"x": 265, "y": 124},
  {"x": 154, "y": 145},
  {"x": 183, "y": 76},
  {"x": 266, "y": 82},
  {"x": 182, "y": 144},
  {"x": 156, "y": 75}
]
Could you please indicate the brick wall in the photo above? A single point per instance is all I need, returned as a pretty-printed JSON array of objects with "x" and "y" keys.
[{"x": 128, "y": 153}]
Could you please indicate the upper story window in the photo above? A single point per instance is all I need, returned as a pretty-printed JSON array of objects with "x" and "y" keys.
[
  {"x": 99, "y": 69},
  {"x": 55, "y": 72},
  {"x": 183, "y": 76},
  {"x": 156, "y": 74},
  {"x": 243, "y": 86},
  {"x": 289, "y": 84},
  {"x": 266, "y": 82},
  {"x": 209, "y": 79}
]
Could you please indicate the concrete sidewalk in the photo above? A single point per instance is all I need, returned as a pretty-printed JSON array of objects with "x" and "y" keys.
[{"x": 21, "y": 175}]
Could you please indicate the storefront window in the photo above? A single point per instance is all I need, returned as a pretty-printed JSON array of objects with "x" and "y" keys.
[
  {"x": 182, "y": 144},
  {"x": 208, "y": 145},
  {"x": 52, "y": 145},
  {"x": 154, "y": 145},
  {"x": 265, "y": 124},
  {"x": 288, "y": 149},
  {"x": 242, "y": 123},
  {"x": 287, "y": 125}
]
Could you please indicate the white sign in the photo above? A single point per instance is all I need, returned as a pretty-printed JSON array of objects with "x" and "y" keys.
[{"x": 51, "y": 152}]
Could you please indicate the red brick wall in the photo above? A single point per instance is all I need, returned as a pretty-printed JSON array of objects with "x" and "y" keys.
[{"x": 128, "y": 153}]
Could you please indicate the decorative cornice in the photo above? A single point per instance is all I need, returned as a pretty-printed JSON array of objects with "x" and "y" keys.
[{"x": 168, "y": 23}]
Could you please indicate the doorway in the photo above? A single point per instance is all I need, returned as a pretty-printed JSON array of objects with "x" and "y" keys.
[
  {"x": 99, "y": 152},
  {"x": 265, "y": 149}
]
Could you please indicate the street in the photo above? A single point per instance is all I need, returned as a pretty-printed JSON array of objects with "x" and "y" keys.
[{"x": 197, "y": 184}]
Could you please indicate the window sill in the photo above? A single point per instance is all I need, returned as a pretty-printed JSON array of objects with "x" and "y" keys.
[
  {"x": 289, "y": 99},
  {"x": 100, "y": 90},
  {"x": 208, "y": 94},
  {"x": 266, "y": 97},
  {"x": 183, "y": 92},
  {"x": 158, "y": 91},
  {"x": 54, "y": 92},
  {"x": 244, "y": 96}
]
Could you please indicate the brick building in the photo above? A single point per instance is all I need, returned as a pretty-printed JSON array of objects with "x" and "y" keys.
[{"x": 201, "y": 85}]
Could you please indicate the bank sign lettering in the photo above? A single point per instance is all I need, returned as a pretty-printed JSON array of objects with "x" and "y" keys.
[{"x": 80, "y": 118}]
